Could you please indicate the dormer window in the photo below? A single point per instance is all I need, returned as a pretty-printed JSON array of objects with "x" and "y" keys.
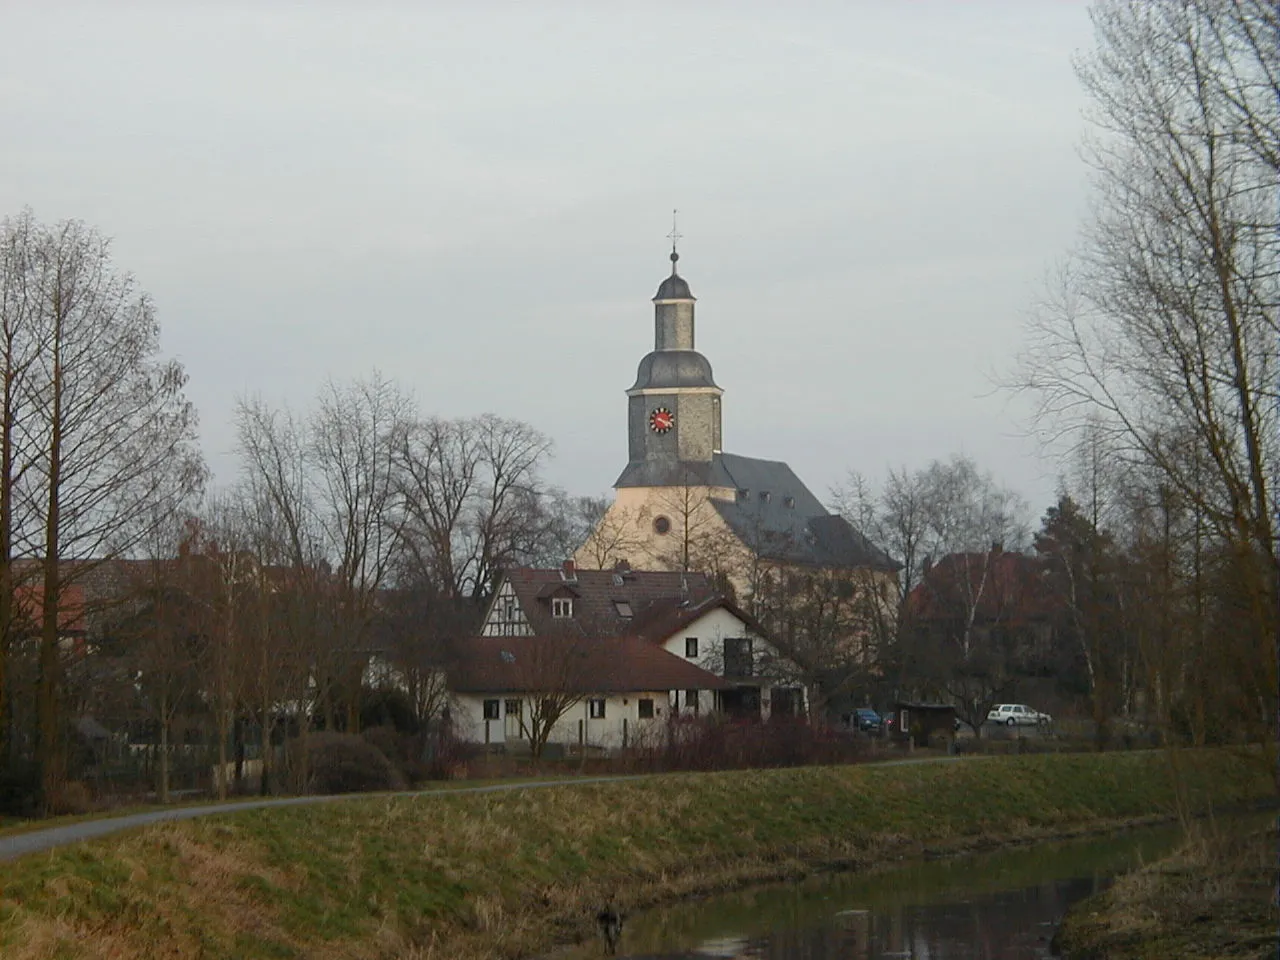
[
  {"x": 743, "y": 494},
  {"x": 764, "y": 496},
  {"x": 623, "y": 608},
  {"x": 562, "y": 607},
  {"x": 789, "y": 502}
]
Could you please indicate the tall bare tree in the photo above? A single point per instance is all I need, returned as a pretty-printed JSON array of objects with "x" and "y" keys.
[
  {"x": 1162, "y": 330},
  {"x": 101, "y": 420},
  {"x": 473, "y": 500},
  {"x": 355, "y": 435}
]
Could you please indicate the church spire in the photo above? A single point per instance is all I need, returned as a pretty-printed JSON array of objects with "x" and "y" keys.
[
  {"x": 675, "y": 236},
  {"x": 674, "y": 303}
]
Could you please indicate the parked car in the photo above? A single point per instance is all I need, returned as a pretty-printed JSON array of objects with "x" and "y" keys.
[
  {"x": 867, "y": 720},
  {"x": 1018, "y": 715}
]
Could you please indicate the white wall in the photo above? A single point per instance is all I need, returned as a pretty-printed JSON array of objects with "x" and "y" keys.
[
  {"x": 711, "y": 629},
  {"x": 607, "y": 733}
]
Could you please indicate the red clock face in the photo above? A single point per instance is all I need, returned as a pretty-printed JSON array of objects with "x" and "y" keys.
[{"x": 661, "y": 420}]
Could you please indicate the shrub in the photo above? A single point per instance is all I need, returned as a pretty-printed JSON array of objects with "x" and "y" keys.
[
  {"x": 345, "y": 763},
  {"x": 388, "y": 708},
  {"x": 20, "y": 789}
]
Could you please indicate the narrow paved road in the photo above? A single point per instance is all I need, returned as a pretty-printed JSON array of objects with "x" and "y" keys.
[{"x": 33, "y": 841}]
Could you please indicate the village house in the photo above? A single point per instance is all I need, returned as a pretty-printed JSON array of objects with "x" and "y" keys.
[{"x": 616, "y": 652}]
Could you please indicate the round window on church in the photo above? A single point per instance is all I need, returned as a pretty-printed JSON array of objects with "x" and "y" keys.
[{"x": 661, "y": 525}]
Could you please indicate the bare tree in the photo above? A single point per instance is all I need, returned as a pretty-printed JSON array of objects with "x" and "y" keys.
[
  {"x": 355, "y": 435},
  {"x": 472, "y": 496},
  {"x": 102, "y": 420},
  {"x": 608, "y": 535},
  {"x": 555, "y": 667},
  {"x": 1161, "y": 332}
]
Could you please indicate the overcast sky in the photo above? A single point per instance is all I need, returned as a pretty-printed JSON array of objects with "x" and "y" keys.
[{"x": 474, "y": 197}]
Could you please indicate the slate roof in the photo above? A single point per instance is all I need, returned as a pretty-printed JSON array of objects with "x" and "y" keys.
[
  {"x": 674, "y": 287},
  {"x": 674, "y": 473},
  {"x": 597, "y": 592},
  {"x": 673, "y": 368},
  {"x": 576, "y": 665},
  {"x": 774, "y": 513}
]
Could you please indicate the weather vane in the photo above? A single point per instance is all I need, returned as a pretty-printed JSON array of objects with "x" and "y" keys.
[{"x": 674, "y": 236}]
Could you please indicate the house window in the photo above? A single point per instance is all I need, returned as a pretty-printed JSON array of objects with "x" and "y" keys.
[
  {"x": 661, "y": 526},
  {"x": 513, "y": 708},
  {"x": 623, "y": 608},
  {"x": 645, "y": 709},
  {"x": 691, "y": 647},
  {"x": 737, "y": 657},
  {"x": 491, "y": 709},
  {"x": 691, "y": 700},
  {"x": 561, "y": 608},
  {"x": 595, "y": 709},
  {"x": 509, "y": 609}
]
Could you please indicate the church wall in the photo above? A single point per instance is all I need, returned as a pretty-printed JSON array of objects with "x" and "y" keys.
[{"x": 627, "y": 532}]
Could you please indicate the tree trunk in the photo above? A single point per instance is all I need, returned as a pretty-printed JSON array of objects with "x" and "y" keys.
[
  {"x": 164, "y": 749},
  {"x": 48, "y": 725},
  {"x": 223, "y": 723}
]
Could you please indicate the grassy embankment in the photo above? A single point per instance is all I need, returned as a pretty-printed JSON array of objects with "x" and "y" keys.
[
  {"x": 496, "y": 875},
  {"x": 1211, "y": 899}
]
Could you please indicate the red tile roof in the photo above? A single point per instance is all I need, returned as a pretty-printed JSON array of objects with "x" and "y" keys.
[
  {"x": 1009, "y": 586},
  {"x": 569, "y": 664}
]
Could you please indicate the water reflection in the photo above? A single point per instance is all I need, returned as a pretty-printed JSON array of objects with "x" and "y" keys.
[
  {"x": 1003, "y": 926},
  {"x": 1001, "y": 906}
]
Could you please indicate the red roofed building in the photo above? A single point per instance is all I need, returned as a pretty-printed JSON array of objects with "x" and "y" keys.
[
  {"x": 623, "y": 648},
  {"x": 970, "y": 598}
]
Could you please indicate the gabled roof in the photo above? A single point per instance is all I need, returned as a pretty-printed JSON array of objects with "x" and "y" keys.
[
  {"x": 597, "y": 594},
  {"x": 1014, "y": 590},
  {"x": 574, "y": 665},
  {"x": 663, "y": 619}
]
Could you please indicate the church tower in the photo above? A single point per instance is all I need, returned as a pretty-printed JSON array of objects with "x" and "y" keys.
[{"x": 673, "y": 408}]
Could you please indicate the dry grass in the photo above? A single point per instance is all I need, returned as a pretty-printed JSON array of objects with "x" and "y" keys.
[
  {"x": 1211, "y": 899},
  {"x": 500, "y": 875}
]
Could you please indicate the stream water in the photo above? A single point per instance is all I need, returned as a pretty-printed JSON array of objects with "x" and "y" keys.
[{"x": 996, "y": 906}]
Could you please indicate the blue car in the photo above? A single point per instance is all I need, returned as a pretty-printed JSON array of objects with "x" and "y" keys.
[{"x": 867, "y": 720}]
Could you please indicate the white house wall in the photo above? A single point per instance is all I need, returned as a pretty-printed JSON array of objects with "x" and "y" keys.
[
  {"x": 621, "y": 712},
  {"x": 711, "y": 630}
]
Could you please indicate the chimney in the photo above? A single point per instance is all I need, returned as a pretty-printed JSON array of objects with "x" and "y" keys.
[
  {"x": 997, "y": 547},
  {"x": 928, "y": 563},
  {"x": 622, "y": 566},
  {"x": 568, "y": 572}
]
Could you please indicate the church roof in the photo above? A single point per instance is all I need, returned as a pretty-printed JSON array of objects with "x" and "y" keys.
[
  {"x": 772, "y": 512},
  {"x": 674, "y": 473},
  {"x": 675, "y": 287},
  {"x": 674, "y": 368}
]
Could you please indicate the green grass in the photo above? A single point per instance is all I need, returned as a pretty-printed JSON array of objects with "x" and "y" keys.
[{"x": 502, "y": 874}]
